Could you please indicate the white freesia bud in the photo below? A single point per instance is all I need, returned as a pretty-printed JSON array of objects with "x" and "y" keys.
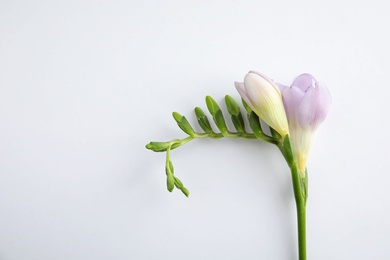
[{"x": 264, "y": 98}]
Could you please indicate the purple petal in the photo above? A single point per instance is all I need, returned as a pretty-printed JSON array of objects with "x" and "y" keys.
[
  {"x": 280, "y": 86},
  {"x": 292, "y": 97},
  {"x": 304, "y": 81},
  {"x": 314, "y": 106}
]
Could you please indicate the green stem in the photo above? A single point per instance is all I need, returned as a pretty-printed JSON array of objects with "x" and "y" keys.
[
  {"x": 301, "y": 213},
  {"x": 300, "y": 200},
  {"x": 299, "y": 181}
]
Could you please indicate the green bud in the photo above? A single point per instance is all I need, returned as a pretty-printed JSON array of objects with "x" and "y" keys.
[
  {"x": 170, "y": 178},
  {"x": 275, "y": 134},
  {"x": 185, "y": 191},
  {"x": 238, "y": 122},
  {"x": 220, "y": 122},
  {"x": 247, "y": 108},
  {"x": 254, "y": 123},
  {"x": 170, "y": 182},
  {"x": 170, "y": 165},
  {"x": 181, "y": 187},
  {"x": 158, "y": 146},
  {"x": 203, "y": 120},
  {"x": 232, "y": 106},
  {"x": 177, "y": 116},
  {"x": 216, "y": 111},
  {"x": 178, "y": 183},
  {"x": 175, "y": 145},
  {"x": 183, "y": 123},
  {"x": 212, "y": 105}
]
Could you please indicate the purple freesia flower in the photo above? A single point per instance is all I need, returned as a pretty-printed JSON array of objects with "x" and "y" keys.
[{"x": 306, "y": 103}]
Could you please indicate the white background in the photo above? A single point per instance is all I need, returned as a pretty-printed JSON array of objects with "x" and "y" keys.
[{"x": 84, "y": 85}]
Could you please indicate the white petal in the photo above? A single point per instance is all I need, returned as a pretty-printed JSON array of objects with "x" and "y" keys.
[{"x": 267, "y": 102}]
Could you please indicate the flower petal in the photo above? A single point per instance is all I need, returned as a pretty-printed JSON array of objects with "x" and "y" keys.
[
  {"x": 292, "y": 98},
  {"x": 267, "y": 79},
  {"x": 314, "y": 106},
  {"x": 241, "y": 90},
  {"x": 280, "y": 86},
  {"x": 304, "y": 81},
  {"x": 267, "y": 102}
]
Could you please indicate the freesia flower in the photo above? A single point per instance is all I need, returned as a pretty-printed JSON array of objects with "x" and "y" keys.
[
  {"x": 264, "y": 97},
  {"x": 306, "y": 102}
]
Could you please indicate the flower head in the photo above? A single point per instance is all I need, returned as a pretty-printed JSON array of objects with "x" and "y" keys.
[
  {"x": 264, "y": 97},
  {"x": 307, "y": 103}
]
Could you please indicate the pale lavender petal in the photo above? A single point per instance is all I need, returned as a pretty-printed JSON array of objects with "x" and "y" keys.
[
  {"x": 241, "y": 90},
  {"x": 292, "y": 97},
  {"x": 314, "y": 106},
  {"x": 304, "y": 81},
  {"x": 280, "y": 86}
]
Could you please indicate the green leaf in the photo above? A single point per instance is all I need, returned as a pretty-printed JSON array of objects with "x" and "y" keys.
[
  {"x": 212, "y": 105},
  {"x": 183, "y": 124},
  {"x": 203, "y": 121},
  {"x": 232, "y": 106}
]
